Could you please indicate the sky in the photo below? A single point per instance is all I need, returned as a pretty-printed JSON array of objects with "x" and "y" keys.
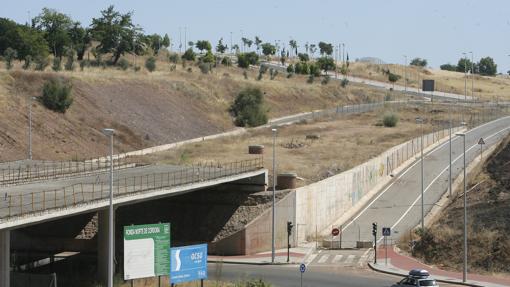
[{"x": 437, "y": 30}]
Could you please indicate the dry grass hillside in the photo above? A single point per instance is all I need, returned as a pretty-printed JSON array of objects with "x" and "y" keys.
[
  {"x": 488, "y": 217},
  {"x": 486, "y": 88},
  {"x": 146, "y": 108}
]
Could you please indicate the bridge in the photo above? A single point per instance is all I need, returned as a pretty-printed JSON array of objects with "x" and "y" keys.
[{"x": 34, "y": 192}]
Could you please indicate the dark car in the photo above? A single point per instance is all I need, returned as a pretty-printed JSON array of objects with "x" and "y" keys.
[{"x": 417, "y": 277}]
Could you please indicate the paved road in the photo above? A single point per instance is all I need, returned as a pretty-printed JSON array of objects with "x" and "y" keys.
[
  {"x": 399, "y": 205},
  {"x": 315, "y": 276},
  {"x": 356, "y": 258}
]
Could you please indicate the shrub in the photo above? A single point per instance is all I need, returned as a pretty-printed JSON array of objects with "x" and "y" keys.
[
  {"x": 69, "y": 66},
  {"x": 9, "y": 55},
  {"x": 150, "y": 64},
  {"x": 56, "y": 95},
  {"x": 273, "y": 73},
  {"x": 448, "y": 67},
  {"x": 173, "y": 58},
  {"x": 83, "y": 64},
  {"x": 245, "y": 75},
  {"x": 244, "y": 60},
  {"x": 393, "y": 77},
  {"x": 344, "y": 82},
  {"x": 137, "y": 68},
  {"x": 390, "y": 120},
  {"x": 123, "y": 64},
  {"x": 226, "y": 61},
  {"x": 57, "y": 64},
  {"x": 28, "y": 62},
  {"x": 325, "y": 80},
  {"x": 248, "y": 108},
  {"x": 173, "y": 68},
  {"x": 41, "y": 62},
  {"x": 205, "y": 67},
  {"x": 310, "y": 80},
  {"x": 314, "y": 70},
  {"x": 189, "y": 55},
  {"x": 290, "y": 69}
]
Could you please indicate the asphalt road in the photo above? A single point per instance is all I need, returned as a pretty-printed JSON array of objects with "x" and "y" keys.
[
  {"x": 315, "y": 276},
  {"x": 399, "y": 205}
]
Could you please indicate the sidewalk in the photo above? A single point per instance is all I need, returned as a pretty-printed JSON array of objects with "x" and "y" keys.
[
  {"x": 400, "y": 265},
  {"x": 297, "y": 256}
]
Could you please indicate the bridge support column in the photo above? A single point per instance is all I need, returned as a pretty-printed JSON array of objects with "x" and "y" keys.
[
  {"x": 102, "y": 248},
  {"x": 5, "y": 258}
]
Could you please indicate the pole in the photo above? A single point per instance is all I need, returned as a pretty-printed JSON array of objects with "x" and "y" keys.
[
  {"x": 273, "y": 207},
  {"x": 422, "y": 183},
  {"x": 472, "y": 78},
  {"x": 385, "y": 250},
  {"x": 464, "y": 273},
  {"x": 301, "y": 279},
  {"x": 405, "y": 75},
  {"x": 110, "y": 225},
  {"x": 30, "y": 129},
  {"x": 450, "y": 155}
]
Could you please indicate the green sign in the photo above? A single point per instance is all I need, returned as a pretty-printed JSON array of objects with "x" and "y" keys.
[{"x": 146, "y": 250}]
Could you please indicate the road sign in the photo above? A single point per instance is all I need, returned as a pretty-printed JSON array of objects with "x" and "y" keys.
[
  {"x": 386, "y": 231},
  {"x": 481, "y": 141},
  {"x": 302, "y": 268},
  {"x": 188, "y": 263},
  {"x": 335, "y": 231},
  {"x": 146, "y": 250}
]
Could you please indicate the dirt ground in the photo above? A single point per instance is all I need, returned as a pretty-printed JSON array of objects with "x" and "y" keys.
[
  {"x": 488, "y": 217},
  {"x": 342, "y": 143}
]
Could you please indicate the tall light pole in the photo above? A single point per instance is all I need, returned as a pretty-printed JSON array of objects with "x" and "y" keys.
[
  {"x": 343, "y": 53},
  {"x": 274, "y": 197},
  {"x": 472, "y": 77},
  {"x": 465, "y": 76},
  {"x": 405, "y": 74},
  {"x": 30, "y": 128},
  {"x": 450, "y": 153},
  {"x": 110, "y": 133},
  {"x": 420, "y": 121},
  {"x": 464, "y": 271}
]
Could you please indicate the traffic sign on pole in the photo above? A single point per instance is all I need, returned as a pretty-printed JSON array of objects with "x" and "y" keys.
[
  {"x": 386, "y": 231},
  {"x": 335, "y": 231},
  {"x": 302, "y": 268}
]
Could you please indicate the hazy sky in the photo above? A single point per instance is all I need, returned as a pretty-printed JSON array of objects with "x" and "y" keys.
[{"x": 438, "y": 30}]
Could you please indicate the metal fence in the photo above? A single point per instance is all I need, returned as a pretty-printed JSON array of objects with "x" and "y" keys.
[
  {"x": 38, "y": 201},
  {"x": 26, "y": 171}
]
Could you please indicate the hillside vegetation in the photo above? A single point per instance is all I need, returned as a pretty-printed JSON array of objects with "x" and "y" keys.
[{"x": 147, "y": 109}]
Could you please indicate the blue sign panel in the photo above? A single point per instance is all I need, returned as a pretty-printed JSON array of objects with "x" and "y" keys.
[
  {"x": 188, "y": 263},
  {"x": 302, "y": 268}
]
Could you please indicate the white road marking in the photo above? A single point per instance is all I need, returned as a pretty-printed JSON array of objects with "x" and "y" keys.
[
  {"x": 362, "y": 259},
  {"x": 435, "y": 179},
  {"x": 310, "y": 259},
  {"x": 349, "y": 259},
  {"x": 323, "y": 259},
  {"x": 337, "y": 259}
]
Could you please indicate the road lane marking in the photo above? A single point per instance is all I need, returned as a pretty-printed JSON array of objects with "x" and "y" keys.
[
  {"x": 323, "y": 259},
  {"x": 337, "y": 259},
  {"x": 454, "y": 137},
  {"x": 349, "y": 259},
  {"x": 436, "y": 178},
  {"x": 310, "y": 258}
]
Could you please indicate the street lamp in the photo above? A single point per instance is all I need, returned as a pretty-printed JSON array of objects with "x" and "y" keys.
[
  {"x": 465, "y": 76},
  {"x": 472, "y": 77},
  {"x": 110, "y": 133},
  {"x": 405, "y": 75},
  {"x": 420, "y": 121},
  {"x": 464, "y": 272},
  {"x": 30, "y": 128},
  {"x": 274, "y": 197}
]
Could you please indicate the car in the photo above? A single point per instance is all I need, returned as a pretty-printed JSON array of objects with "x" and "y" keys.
[{"x": 417, "y": 277}]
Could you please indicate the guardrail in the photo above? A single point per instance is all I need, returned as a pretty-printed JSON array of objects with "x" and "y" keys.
[
  {"x": 21, "y": 204},
  {"x": 44, "y": 170}
]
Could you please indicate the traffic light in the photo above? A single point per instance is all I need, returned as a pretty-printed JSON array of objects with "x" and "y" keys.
[
  {"x": 289, "y": 227},
  {"x": 374, "y": 229}
]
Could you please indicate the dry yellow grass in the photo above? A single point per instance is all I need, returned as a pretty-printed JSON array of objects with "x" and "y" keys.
[
  {"x": 486, "y": 88},
  {"x": 344, "y": 143}
]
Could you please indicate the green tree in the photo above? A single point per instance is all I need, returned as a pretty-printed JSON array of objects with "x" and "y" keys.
[
  {"x": 314, "y": 70},
  {"x": 56, "y": 27},
  {"x": 464, "y": 64},
  {"x": 57, "y": 64},
  {"x": 203, "y": 45},
  {"x": 28, "y": 62},
  {"x": 156, "y": 42},
  {"x": 448, "y": 67},
  {"x": 393, "y": 77},
  {"x": 57, "y": 95},
  {"x": 294, "y": 46},
  {"x": 258, "y": 42},
  {"x": 325, "y": 48},
  {"x": 115, "y": 33},
  {"x": 487, "y": 67},
  {"x": 166, "y": 41},
  {"x": 80, "y": 39},
  {"x": 248, "y": 108},
  {"x": 24, "y": 39},
  {"x": 9, "y": 56},
  {"x": 221, "y": 48},
  {"x": 69, "y": 65},
  {"x": 150, "y": 64},
  {"x": 208, "y": 57},
  {"x": 419, "y": 62},
  {"x": 189, "y": 55},
  {"x": 268, "y": 49},
  {"x": 326, "y": 63},
  {"x": 244, "y": 60},
  {"x": 303, "y": 57},
  {"x": 313, "y": 49},
  {"x": 246, "y": 42}
]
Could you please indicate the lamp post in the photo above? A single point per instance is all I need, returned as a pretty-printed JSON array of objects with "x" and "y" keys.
[
  {"x": 450, "y": 153},
  {"x": 274, "y": 197},
  {"x": 472, "y": 77},
  {"x": 420, "y": 121},
  {"x": 110, "y": 133},
  {"x": 405, "y": 75},
  {"x": 30, "y": 128},
  {"x": 464, "y": 271}
]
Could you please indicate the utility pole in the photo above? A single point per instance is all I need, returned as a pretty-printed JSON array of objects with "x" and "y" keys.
[
  {"x": 450, "y": 154},
  {"x": 185, "y": 38},
  {"x": 274, "y": 198},
  {"x": 110, "y": 133},
  {"x": 472, "y": 77},
  {"x": 405, "y": 75},
  {"x": 420, "y": 121},
  {"x": 464, "y": 271}
]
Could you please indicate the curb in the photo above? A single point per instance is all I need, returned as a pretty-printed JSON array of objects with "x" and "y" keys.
[
  {"x": 251, "y": 263},
  {"x": 371, "y": 265}
]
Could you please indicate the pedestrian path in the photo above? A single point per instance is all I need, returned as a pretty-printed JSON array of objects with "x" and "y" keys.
[
  {"x": 399, "y": 264},
  {"x": 349, "y": 257}
]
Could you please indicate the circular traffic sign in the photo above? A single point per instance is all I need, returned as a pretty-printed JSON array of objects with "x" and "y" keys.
[
  {"x": 302, "y": 268},
  {"x": 335, "y": 231}
]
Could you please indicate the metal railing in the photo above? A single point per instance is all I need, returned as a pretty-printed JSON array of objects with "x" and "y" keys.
[
  {"x": 21, "y": 204},
  {"x": 44, "y": 170}
]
